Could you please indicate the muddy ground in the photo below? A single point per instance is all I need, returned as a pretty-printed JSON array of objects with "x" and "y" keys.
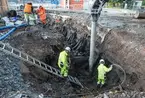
[
  {"x": 124, "y": 45},
  {"x": 46, "y": 43}
]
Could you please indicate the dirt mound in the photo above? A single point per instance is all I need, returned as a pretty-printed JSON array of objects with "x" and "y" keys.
[
  {"x": 127, "y": 49},
  {"x": 11, "y": 79}
]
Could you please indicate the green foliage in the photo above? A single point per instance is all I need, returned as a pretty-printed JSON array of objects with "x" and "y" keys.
[
  {"x": 143, "y": 3},
  {"x": 116, "y": 1},
  {"x": 120, "y": 3}
]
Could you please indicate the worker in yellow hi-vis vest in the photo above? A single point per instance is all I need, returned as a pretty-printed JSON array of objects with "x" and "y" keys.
[
  {"x": 63, "y": 61},
  {"x": 102, "y": 70}
]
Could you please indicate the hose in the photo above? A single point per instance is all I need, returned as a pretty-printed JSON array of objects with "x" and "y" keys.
[
  {"x": 72, "y": 38},
  {"x": 6, "y": 27},
  {"x": 11, "y": 31},
  {"x": 118, "y": 66},
  {"x": 83, "y": 45},
  {"x": 79, "y": 46},
  {"x": 76, "y": 45},
  {"x": 5, "y": 35}
]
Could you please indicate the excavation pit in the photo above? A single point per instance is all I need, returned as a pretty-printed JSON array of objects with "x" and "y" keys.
[{"x": 45, "y": 44}]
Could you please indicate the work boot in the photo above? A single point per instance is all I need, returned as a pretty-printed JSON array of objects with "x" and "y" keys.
[
  {"x": 101, "y": 85},
  {"x": 98, "y": 85},
  {"x": 44, "y": 26},
  {"x": 64, "y": 77}
]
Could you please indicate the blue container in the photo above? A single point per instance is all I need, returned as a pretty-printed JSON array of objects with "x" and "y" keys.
[{"x": 55, "y": 2}]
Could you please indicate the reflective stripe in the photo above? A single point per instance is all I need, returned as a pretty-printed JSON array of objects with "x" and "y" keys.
[{"x": 63, "y": 57}]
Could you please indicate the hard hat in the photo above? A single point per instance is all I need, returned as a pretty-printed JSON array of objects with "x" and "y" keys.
[
  {"x": 102, "y": 61},
  {"x": 67, "y": 48}
]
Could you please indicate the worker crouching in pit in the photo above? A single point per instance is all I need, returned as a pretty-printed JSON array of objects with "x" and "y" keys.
[
  {"x": 102, "y": 70},
  {"x": 63, "y": 61}
]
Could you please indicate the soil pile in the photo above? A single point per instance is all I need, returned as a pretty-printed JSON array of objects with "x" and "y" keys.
[
  {"x": 11, "y": 79},
  {"x": 124, "y": 94},
  {"x": 127, "y": 49}
]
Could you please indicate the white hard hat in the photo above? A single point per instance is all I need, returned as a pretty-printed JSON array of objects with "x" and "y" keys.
[
  {"x": 67, "y": 48},
  {"x": 102, "y": 61}
]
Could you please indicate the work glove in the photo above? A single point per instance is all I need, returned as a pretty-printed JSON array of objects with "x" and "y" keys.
[
  {"x": 61, "y": 64},
  {"x": 111, "y": 66},
  {"x": 69, "y": 66}
]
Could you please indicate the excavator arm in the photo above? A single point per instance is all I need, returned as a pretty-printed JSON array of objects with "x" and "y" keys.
[{"x": 96, "y": 8}]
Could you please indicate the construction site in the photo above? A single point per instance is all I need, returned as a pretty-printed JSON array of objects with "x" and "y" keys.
[{"x": 29, "y": 54}]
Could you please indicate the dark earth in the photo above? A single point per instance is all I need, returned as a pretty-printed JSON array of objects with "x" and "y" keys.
[{"x": 45, "y": 44}]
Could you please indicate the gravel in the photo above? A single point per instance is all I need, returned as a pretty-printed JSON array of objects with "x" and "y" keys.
[{"x": 10, "y": 77}]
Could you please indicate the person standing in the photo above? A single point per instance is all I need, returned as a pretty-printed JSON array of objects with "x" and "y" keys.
[
  {"x": 29, "y": 14},
  {"x": 63, "y": 61},
  {"x": 42, "y": 14},
  {"x": 102, "y": 70}
]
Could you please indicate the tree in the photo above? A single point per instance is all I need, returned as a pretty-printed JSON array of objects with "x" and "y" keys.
[
  {"x": 3, "y": 6},
  {"x": 114, "y": 2},
  {"x": 143, "y": 3}
]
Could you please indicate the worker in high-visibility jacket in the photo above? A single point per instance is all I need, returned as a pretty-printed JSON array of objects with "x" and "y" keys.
[
  {"x": 102, "y": 70},
  {"x": 42, "y": 14},
  {"x": 63, "y": 61},
  {"x": 29, "y": 14}
]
